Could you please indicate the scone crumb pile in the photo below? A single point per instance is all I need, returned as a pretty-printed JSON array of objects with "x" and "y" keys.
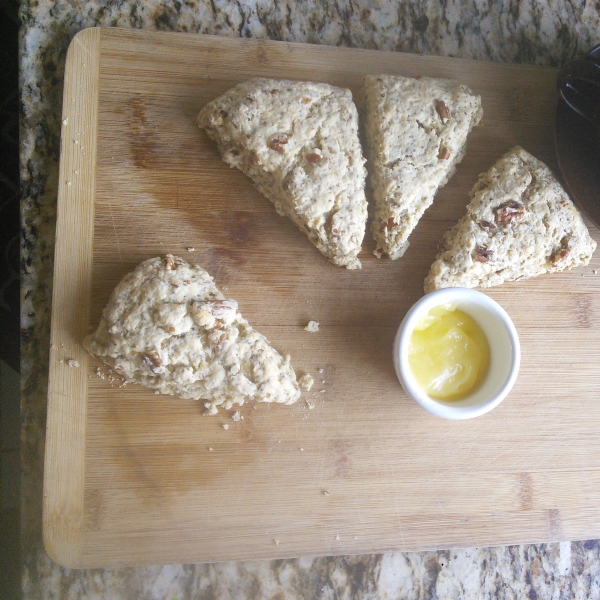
[
  {"x": 112, "y": 377},
  {"x": 168, "y": 327}
]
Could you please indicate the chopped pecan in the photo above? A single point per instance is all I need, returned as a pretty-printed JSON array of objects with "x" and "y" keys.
[
  {"x": 306, "y": 100},
  {"x": 444, "y": 153},
  {"x": 509, "y": 211},
  {"x": 274, "y": 91},
  {"x": 390, "y": 224},
  {"x": 486, "y": 224},
  {"x": 222, "y": 308},
  {"x": 214, "y": 314},
  {"x": 482, "y": 254},
  {"x": 277, "y": 141},
  {"x": 221, "y": 341},
  {"x": 223, "y": 113},
  {"x": 172, "y": 262},
  {"x": 563, "y": 251},
  {"x": 152, "y": 361},
  {"x": 559, "y": 255},
  {"x": 442, "y": 110},
  {"x": 314, "y": 158},
  {"x": 566, "y": 242}
]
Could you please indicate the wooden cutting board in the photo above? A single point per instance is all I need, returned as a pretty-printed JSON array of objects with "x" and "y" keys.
[{"x": 137, "y": 478}]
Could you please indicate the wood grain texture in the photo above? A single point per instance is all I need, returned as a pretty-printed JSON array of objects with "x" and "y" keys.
[{"x": 365, "y": 470}]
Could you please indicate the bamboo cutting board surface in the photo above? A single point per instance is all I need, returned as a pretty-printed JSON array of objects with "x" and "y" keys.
[{"x": 137, "y": 478}]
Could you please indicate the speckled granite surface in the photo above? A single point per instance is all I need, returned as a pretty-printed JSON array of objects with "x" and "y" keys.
[{"x": 549, "y": 32}]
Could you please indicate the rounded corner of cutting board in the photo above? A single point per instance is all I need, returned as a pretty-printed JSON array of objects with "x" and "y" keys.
[
  {"x": 87, "y": 38},
  {"x": 58, "y": 548}
]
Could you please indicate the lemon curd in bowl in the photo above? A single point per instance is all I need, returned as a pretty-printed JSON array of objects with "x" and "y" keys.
[
  {"x": 448, "y": 353},
  {"x": 457, "y": 353}
]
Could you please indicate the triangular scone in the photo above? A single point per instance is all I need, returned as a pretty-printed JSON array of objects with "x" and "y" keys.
[
  {"x": 417, "y": 133},
  {"x": 298, "y": 142},
  {"x": 168, "y": 327},
  {"x": 519, "y": 223}
]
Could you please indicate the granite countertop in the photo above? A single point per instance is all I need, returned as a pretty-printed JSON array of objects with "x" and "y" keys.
[{"x": 537, "y": 31}]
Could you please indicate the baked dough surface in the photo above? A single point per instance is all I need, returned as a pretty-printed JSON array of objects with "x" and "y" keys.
[
  {"x": 417, "y": 133},
  {"x": 520, "y": 223},
  {"x": 298, "y": 142},
  {"x": 168, "y": 327}
]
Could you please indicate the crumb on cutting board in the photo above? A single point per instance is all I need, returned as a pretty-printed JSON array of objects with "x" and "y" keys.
[
  {"x": 306, "y": 381},
  {"x": 312, "y": 327}
]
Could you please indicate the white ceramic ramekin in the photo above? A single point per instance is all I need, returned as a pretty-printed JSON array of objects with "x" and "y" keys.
[{"x": 505, "y": 353}]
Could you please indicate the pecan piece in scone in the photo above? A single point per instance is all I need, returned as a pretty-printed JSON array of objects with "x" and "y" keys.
[
  {"x": 390, "y": 224},
  {"x": 152, "y": 361},
  {"x": 509, "y": 211},
  {"x": 172, "y": 262},
  {"x": 482, "y": 254},
  {"x": 442, "y": 110},
  {"x": 486, "y": 224},
  {"x": 563, "y": 251},
  {"x": 277, "y": 141}
]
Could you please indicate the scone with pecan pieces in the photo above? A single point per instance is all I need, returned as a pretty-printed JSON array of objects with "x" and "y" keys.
[
  {"x": 417, "y": 133},
  {"x": 520, "y": 223},
  {"x": 168, "y": 327},
  {"x": 298, "y": 142}
]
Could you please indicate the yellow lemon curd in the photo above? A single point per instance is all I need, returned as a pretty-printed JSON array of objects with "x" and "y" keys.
[{"x": 448, "y": 353}]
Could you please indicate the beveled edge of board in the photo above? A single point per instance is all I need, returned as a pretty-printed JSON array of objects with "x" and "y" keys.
[
  {"x": 64, "y": 462},
  {"x": 258, "y": 46}
]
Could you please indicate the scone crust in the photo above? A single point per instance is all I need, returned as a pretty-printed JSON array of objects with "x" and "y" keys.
[
  {"x": 168, "y": 327},
  {"x": 298, "y": 142},
  {"x": 520, "y": 223},
  {"x": 417, "y": 133}
]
